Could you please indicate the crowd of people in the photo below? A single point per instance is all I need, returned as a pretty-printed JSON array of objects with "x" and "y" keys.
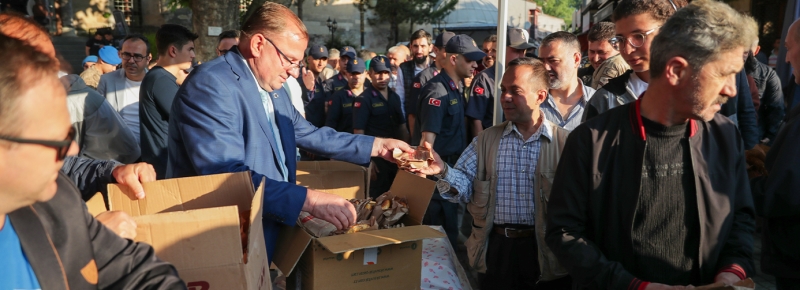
[{"x": 647, "y": 169}]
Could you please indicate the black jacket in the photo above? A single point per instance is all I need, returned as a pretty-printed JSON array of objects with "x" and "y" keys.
[
  {"x": 772, "y": 109},
  {"x": 596, "y": 189},
  {"x": 741, "y": 111},
  {"x": 777, "y": 199},
  {"x": 68, "y": 249}
]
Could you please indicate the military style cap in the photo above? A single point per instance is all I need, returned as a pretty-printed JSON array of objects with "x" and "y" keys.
[
  {"x": 348, "y": 51},
  {"x": 380, "y": 64},
  {"x": 356, "y": 64},
  {"x": 318, "y": 51},
  {"x": 518, "y": 39},
  {"x": 443, "y": 38},
  {"x": 464, "y": 45}
]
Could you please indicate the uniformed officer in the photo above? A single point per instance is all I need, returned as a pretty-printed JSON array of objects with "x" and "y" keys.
[
  {"x": 340, "y": 104},
  {"x": 412, "y": 97},
  {"x": 314, "y": 96},
  {"x": 339, "y": 81},
  {"x": 441, "y": 120},
  {"x": 377, "y": 113},
  {"x": 480, "y": 109}
]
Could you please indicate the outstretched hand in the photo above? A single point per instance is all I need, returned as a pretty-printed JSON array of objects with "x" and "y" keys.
[
  {"x": 383, "y": 148},
  {"x": 434, "y": 167}
]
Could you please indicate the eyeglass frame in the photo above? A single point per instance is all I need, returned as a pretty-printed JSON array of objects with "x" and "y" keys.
[
  {"x": 128, "y": 56},
  {"x": 294, "y": 65},
  {"x": 62, "y": 147},
  {"x": 615, "y": 40}
]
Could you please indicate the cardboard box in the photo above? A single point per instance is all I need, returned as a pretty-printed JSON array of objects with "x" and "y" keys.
[
  {"x": 334, "y": 177},
  {"x": 194, "y": 223},
  {"x": 380, "y": 259}
]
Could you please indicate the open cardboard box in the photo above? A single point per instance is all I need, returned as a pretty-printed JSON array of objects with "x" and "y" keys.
[
  {"x": 334, "y": 177},
  {"x": 379, "y": 259},
  {"x": 194, "y": 222}
]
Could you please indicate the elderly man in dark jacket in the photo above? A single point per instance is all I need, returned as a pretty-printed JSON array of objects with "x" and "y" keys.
[{"x": 655, "y": 193}]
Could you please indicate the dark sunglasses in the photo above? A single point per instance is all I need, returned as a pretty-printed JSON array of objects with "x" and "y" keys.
[{"x": 62, "y": 147}]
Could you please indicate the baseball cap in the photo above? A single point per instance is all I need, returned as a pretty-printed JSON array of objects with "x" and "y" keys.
[
  {"x": 348, "y": 51},
  {"x": 518, "y": 39},
  {"x": 356, "y": 64},
  {"x": 91, "y": 58},
  {"x": 443, "y": 38},
  {"x": 109, "y": 55},
  {"x": 318, "y": 51},
  {"x": 380, "y": 64},
  {"x": 464, "y": 45}
]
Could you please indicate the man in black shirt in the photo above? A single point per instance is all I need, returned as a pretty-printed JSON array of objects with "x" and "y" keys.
[
  {"x": 654, "y": 193},
  {"x": 94, "y": 44},
  {"x": 377, "y": 113},
  {"x": 313, "y": 94},
  {"x": 175, "y": 45}
]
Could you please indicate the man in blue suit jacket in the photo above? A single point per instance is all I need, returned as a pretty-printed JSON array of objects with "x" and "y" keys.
[{"x": 232, "y": 115}]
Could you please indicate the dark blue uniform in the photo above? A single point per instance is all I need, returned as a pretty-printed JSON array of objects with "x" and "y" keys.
[
  {"x": 314, "y": 102},
  {"x": 481, "y": 101},
  {"x": 412, "y": 95},
  {"x": 441, "y": 111},
  {"x": 334, "y": 84},
  {"x": 379, "y": 116},
  {"x": 340, "y": 111}
]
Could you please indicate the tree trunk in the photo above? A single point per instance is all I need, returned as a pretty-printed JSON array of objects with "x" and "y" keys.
[{"x": 219, "y": 13}]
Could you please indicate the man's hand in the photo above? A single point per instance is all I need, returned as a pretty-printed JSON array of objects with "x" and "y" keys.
[
  {"x": 131, "y": 176},
  {"x": 383, "y": 148},
  {"x": 308, "y": 79},
  {"x": 657, "y": 286},
  {"x": 329, "y": 207},
  {"x": 435, "y": 167},
  {"x": 119, "y": 222},
  {"x": 727, "y": 278}
]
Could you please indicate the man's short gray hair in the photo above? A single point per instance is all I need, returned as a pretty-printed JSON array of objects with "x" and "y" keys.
[
  {"x": 333, "y": 53},
  {"x": 700, "y": 33},
  {"x": 568, "y": 40}
]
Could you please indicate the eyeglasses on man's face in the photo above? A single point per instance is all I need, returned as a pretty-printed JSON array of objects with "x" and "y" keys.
[
  {"x": 635, "y": 39},
  {"x": 136, "y": 57},
  {"x": 292, "y": 65},
  {"x": 62, "y": 147}
]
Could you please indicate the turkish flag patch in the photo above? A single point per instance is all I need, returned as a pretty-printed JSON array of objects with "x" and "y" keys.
[
  {"x": 479, "y": 90},
  {"x": 417, "y": 85},
  {"x": 434, "y": 102},
  {"x": 358, "y": 105},
  {"x": 330, "y": 102}
]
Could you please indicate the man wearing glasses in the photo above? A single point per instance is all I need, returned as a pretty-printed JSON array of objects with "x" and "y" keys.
[
  {"x": 175, "y": 45},
  {"x": 121, "y": 87},
  {"x": 232, "y": 114},
  {"x": 637, "y": 23}
]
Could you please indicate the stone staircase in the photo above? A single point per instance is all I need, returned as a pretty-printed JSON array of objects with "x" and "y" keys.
[{"x": 73, "y": 49}]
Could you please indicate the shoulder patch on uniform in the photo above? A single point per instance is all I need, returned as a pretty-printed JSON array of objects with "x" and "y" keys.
[
  {"x": 478, "y": 90},
  {"x": 417, "y": 85},
  {"x": 434, "y": 102}
]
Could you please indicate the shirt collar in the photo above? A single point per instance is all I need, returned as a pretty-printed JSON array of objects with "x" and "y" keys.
[{"x": 544, "y": 130}]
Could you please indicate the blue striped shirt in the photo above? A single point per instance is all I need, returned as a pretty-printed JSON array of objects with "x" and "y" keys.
[
  {"x": 516, "y": 166},
  {"x": 550, "y": 111}
]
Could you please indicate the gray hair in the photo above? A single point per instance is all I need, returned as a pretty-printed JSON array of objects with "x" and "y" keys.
[
  {"x": 333, "y": 53},
  {"x": 699, "y": 33},
  {"x": 567, "y": 39}
]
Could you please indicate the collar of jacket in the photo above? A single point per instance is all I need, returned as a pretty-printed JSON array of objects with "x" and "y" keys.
[{"x": 638, "y": 126}]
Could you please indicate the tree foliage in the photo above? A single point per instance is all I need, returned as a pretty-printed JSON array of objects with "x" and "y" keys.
[
  {"x": 560, "y": 8},
  {"x": 396, "y": 12}
]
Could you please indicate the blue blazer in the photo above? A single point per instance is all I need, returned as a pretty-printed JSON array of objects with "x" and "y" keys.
[{"x": 218, "y": 125}]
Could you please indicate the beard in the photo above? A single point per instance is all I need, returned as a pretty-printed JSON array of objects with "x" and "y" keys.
[
  {"x": 421, "y": 60},
  {"x": 555, "y": 82},
  {"x": 699, "y": 109}
]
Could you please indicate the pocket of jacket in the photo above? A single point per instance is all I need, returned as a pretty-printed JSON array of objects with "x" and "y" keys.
[{"x": 478, "y": 205}]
